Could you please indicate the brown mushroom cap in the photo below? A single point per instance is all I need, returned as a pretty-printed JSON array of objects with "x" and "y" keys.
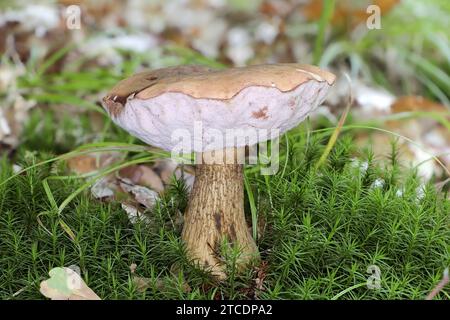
[
  {"x": 203, "y": 82},
  {"x": 142, "y": 80}
]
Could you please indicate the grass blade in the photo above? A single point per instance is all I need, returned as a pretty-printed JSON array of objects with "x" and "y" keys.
[
  {"x": 327, "y": 13},
  {"x": 337, "y": 130},
  {"x": 251, "y": 200}
]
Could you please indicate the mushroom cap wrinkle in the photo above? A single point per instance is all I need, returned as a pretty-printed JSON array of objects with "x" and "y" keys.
[{"x": 161, "y": 106}]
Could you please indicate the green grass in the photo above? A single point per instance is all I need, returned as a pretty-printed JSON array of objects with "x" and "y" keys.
[
  {"x": 322, "y": 23},
  {"x": 427, "y": 64},
  {"x": 319, "y": 231}
]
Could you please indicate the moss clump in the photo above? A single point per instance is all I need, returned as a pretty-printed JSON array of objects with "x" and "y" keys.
[{"x": 320, "y": 230}]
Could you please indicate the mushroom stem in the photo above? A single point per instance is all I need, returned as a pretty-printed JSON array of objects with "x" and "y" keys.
[{"x": 216, "y": 213}]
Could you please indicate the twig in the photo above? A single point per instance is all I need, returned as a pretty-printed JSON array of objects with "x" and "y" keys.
[{"x": 19, "y": 292}]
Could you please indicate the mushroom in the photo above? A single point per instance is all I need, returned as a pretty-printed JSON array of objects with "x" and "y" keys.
[{"x": 153, "y": 105}]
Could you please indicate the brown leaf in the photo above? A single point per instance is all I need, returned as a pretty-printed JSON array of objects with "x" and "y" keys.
[
  {"x": 261, "y": 275},
  {"x": 150, "y": 179},
  {"x": 88, "y": 163},
  {"x": 144, "y": 176},
  {"x": 417, "y": 103},
  {"x": 132, "y": 173},
  {"x": 347, "y": 13},
  {"x": 82, "y": 164},
  {"x": 167, "y": 168},
  {"x": 143, "y": 283}
]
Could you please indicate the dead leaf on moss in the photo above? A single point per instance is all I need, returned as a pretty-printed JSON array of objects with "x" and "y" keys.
[
  {"x": 143, "y": 283},
  {"x": 66, "y": 284},
  {"x": 142, "y": 195},
  {"x": 134, "y": 214},
  {"x": 103, "y": 188},
  {"x": 261, "y": 272}
]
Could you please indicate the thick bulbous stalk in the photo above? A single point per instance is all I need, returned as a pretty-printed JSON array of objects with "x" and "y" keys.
[{"x": 215, "y": 215}]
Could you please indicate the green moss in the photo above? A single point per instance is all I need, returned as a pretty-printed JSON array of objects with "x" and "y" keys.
[{"x": 319, "y": 232}]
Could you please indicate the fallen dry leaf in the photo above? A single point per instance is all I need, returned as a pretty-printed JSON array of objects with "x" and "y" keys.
[
  {"x": 417, "y": 103},
  {"x": 150, "y": 179},
  {"x": 167, "y": 168},
  {"x": 261, "y": 275},
  {"x": 143, "y": 283},
  {"x": 347, "y": 13},
  {"x": 143, "y": 195},
  {"x": 66, "y": 284},
  {"x": 252, "y": 291},
  {"x": 143, "y": 176},
  {"x": 82, "y": 164},
  {"x": 92, "y": 162},
  {"x": 134, "y": 214},
  {"x": 103, "y": 188}
]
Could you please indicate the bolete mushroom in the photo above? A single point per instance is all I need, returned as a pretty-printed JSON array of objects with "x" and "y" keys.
[{"x": 153, "y": 105}]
